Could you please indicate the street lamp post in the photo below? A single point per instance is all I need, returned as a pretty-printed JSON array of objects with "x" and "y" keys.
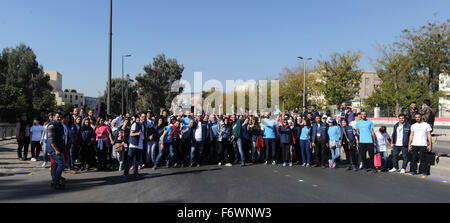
[
  {"x": 108, "y": 103},
  {"x": 304, "y": 77},
  {"x": 126, "y": 55}
]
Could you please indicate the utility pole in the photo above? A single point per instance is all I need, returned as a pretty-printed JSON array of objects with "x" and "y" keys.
[{"x": 109, "y": 60}]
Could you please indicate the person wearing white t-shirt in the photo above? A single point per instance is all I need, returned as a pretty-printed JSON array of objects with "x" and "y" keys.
[
  {"x": 36, "y": 133},
  {"x": 419, "y": 143},
  {"x": 383, "y": 141}
]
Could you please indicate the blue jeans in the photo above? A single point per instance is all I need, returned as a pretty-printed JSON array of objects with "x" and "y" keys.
[
  {"x": 168, "y": 148},
  {"x": 396, "y": 151},
  {"x": 151, "y": 151},
  {"x": 45, "y": 148},
  {"x": 335, "y": 152},
  {"x": 237, "y": 145},
  {"x": 304, "y": 146},
  {"x": 133, "y": 153},
  {"x": 256, "y": 155},
  {"x": 384, "y": 159},
  {"x": 58, "y": 167},
  {"x": 270, "y": 145},
  {"x": 196, "y": 147},
  {"x": 69, "y": 164}
]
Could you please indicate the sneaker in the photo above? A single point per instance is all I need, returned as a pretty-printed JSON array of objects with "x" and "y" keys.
[
  {"x": 120, "y": 166},
  {"x": 242, "y": 164},
  {"x": 284, "y": 164},
  {"x": 132, "y": 168},
  {"x": 143, "y": 165},
  {"x": 307, "y": 165},
  {"x": 228, "y": 164},
  {"x": 304, "y": 164},
  {"x": 424, "y": 175},
  {"x": 21, "y": 159},
  {"x": 402, "y": 171},
  {"x": 44, "y": 164},
  {"x": 411, "y": 173},
  {"x": 155, "y": 167},
  {"x": 373, "y": 171},
  {"x": 274, "y": 163},
  {"x": 265, "y": 163},
  {"x": 349, "y": 168},
  {"x": 360, "y": 166},
  {"x": 333, "y": 164},
  {"x": 392, "y": 170},
  {"x": 329, "y": 163},
  {"x": 220, "y": 164},
  {"x": 368, "y": 170},
  {"x": 139, "y": 167},
  {"x": 198, "y": 165},
  {"x": 290, "y": 163}
]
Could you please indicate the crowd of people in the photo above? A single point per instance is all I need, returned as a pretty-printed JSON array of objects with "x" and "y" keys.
[{"x": 78, "y": 142}]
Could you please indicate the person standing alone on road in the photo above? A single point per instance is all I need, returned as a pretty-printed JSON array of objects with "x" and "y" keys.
[
  {"x": 419, "y": 143},
  {"x": 367, "y": 141}
]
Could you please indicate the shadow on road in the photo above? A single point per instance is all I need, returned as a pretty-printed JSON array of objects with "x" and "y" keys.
[{"x": 21, "y": 191}]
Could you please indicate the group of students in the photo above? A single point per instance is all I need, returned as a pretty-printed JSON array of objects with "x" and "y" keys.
[{"x": 130, "y": 143}]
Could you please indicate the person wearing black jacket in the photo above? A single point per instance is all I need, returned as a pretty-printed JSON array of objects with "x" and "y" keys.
[
  {"x": 286, "y": 140},
  {"x": 319, "y": 141},
  {"x": 87, "y": 150},
  {"x": 57, "y": 148},
  {"x": 154, "y": 132},
  {"x": 297, "y": 130}
]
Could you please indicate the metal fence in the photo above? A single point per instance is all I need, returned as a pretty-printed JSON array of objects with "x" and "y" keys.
[{"x": 7, "y": 131}]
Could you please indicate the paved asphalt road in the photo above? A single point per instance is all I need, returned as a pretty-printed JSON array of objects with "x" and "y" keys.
[{"x": 252, "y": 183}]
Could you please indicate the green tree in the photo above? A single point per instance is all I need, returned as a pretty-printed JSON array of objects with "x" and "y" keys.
[
  {"x": 116, "y": 95},
  {"x": 66, "y": 107},
  {"x": 428, "y": 46},
  {"x": 12, "y": 102},
  {"x": 154, "y": 86},
  {"x": 19, "y": 69},
  {"x": 291, "y": 87},
  {"x": 341, "y": 76}
]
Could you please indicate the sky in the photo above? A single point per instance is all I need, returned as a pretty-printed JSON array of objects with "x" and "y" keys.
[{"x": 225, "y": 40}]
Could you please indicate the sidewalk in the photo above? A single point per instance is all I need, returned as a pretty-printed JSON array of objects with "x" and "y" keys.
[{"x": 10, "y": 164}]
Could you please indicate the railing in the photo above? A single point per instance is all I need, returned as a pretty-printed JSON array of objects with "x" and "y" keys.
[{"x": 7, "y": 131}]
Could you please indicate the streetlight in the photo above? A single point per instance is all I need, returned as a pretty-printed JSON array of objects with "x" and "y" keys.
[
  {"x": 108, "y": 106},
  {"x": 126, "y": 55},
  {"x": 304, "y": 78}
]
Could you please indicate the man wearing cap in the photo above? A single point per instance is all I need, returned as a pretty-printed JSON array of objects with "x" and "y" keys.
[{"x": 320, "y": 138}]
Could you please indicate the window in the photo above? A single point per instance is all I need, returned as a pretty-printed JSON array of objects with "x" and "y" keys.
[
  {"x": 71, "y": 97},
  {"x": 76, "y": 97},
  {"x": 65, "y": 95},
  {"x": 366, "y": 87}
]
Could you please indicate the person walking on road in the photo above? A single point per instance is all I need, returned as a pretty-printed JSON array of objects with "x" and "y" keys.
[
  {"x": 23, "y": 137},
  {"x": 35, "y": 135},
  {"x": 419, "y": 144}
]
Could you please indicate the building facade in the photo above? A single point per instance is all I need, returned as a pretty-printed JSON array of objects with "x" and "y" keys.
[
  {"x": 66, "y": 96},
  {"x": 444, "y": 102}
]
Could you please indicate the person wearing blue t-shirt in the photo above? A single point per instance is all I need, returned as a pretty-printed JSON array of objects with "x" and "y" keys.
[
  {"x": 270, "y": 126},
  {"x": 367, "y": 141},
  {"x": 167, "y": 139},
  {"x": 333, "y": 133}
]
